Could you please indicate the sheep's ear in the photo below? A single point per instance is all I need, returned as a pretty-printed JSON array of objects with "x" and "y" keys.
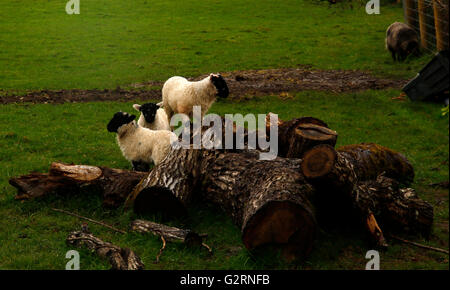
[{"x": 137, "y": 107}]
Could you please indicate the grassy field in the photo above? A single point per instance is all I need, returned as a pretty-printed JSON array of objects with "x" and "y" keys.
[
  {"x": 116, "y": 42},
  {"x": 112, "y": 43}
]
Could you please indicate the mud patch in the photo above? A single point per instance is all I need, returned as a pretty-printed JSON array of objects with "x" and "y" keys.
[{"x": 240, "y": 83}]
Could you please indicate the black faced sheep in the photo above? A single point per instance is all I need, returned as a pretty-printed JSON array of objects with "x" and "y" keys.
[
  {"x": 152, "y": 117},
  {"x": 180, "y": 95},
  {"x": 140, "y": 145},
  {"x": 401, "y": 40}
]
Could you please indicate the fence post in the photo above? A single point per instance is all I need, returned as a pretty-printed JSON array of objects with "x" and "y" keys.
[
  {"x": 441, "y": 24},
  {"x": 409, "y": 12},
  {"x": 422, "y": 23}
]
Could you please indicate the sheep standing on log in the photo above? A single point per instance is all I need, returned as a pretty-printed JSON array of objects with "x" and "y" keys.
[
  {"x": 180, "y": 95},
  {"x": 152, "y": 117},
  {"x": 140, "y": 145},
  {"x": 401, "y": 41}
]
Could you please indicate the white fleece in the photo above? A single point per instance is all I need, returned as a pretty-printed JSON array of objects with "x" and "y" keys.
[
  {"x": 142, "y": 144},
  {"x": 180, "y": 95},
  {"x": 161, "y": 121}
]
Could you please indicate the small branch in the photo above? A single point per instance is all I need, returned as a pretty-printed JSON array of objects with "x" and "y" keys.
[
  {"x": 89, "y": 219},
  {"x": 161, "y": 250},
  {"x": 119, "y": 258},
  {"x": 206, "y": 246},
  {"x": 419, "y": 245}
]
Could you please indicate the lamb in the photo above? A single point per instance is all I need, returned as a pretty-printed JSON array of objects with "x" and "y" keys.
[
  {"x": 180, "y": 95},
  {"x": 401, "y": 40},
  {"x": 140, "y": 145},
  {"x": 152, "y": 117}
]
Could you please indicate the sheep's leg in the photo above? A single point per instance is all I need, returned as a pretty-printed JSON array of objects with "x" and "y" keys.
[
  {"x": 140, "y": 166},
  {"x": 392, "y": 53}
]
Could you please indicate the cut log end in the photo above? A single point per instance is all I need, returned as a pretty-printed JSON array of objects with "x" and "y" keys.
[
  {"x": 316, "y": 132},
  {"x": 283, "y": 223},
  {"x": 318, "y": 161},
  {"x": 158, "y": 199}
]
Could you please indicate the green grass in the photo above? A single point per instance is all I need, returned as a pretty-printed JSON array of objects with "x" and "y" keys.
[
  {"x": 114, "y": 42},
  {"x": 118, "y": 43},
  {"x": 32, "y": 136}
]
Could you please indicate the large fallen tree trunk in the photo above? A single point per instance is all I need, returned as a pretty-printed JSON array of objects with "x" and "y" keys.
[
  {"x": 337, "y": 184},
  {"x": 268, "y": 200},
  {"x": 115, "y": 184},
  {"x": 369, "y": 160}
]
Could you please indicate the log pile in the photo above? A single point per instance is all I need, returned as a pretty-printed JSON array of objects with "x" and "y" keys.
[{"x": 271, "y": 201}]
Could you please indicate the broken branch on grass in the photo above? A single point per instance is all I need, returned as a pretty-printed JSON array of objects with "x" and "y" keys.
[
  {"x": 89, "y": 219},
  {"x": 119, "y": 258},
  {"x": 169, "y": 234},
  {"x": 419, "y": 245}
]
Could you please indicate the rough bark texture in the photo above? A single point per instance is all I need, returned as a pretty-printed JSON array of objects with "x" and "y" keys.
[
  {"x": 397, "y": 208},
  {"x": 119, "y": 258},
  {"x": 370, "y": 160},
  {"x": 115, "y": 184},
  {"x": 268, "y": 200},
  {"x": 381, "y": 198},
  {"x": 170, "y": 234},
  {"x": 168, "y": 188}
]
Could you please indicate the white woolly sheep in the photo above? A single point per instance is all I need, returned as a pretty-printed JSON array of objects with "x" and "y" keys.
[
  {"x": 152, "y": 117},
  {"x": 180, "y": 95},
  {"x": 140, "y": 145}
]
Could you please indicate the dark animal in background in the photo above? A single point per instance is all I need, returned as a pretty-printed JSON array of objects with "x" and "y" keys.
[{"x": 401, "y": 41}]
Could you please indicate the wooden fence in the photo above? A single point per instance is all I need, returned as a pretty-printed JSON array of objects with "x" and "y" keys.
[{"x": 430, "y": 19}]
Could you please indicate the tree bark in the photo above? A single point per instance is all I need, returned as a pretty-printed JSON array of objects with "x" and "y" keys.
[
  {"x": 268, "y": 200},
  {"x": 169, "y": 187},
  {"x": 115, "y": 184},
  {"x": 170, "y": 234},
  {"x": 338, "y": 183},
  {"x": 369, "y": 160},
  {"x": 119, "y": 258}
]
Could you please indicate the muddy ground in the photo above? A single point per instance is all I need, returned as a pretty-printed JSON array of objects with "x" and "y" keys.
[{"x": 241, "y": 84}]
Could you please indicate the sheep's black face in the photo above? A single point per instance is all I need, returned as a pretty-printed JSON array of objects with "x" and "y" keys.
[
  {"x": 221, "y": 86},
  {"x": 149, "y": 111},
  {"x": 119, "y": 119}
]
